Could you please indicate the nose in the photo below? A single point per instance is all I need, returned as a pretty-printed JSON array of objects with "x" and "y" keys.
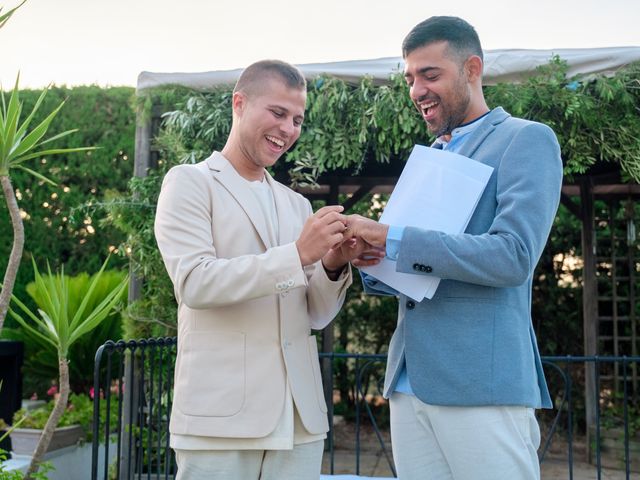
[
  {"x": 288, "y": 128},
  {"x": 418, "y": 90}
]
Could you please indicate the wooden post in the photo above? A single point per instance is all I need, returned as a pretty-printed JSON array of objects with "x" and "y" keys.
[
  {"x": 142, "y": 163},
  {"x": 589, "y": 303}
]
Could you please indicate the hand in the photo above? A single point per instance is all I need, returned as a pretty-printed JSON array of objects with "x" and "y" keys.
[
  {"x": 322, "y": 231},
  {"x": 372, "y": 232},
  {"x": 354, "y": 250},
  {"x": 369, "y": 257}
]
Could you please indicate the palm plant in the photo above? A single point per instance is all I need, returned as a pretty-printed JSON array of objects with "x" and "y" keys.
[
  {"x": 17, "y": 147},
  {"x": 60, "y": 323},
  {"x": 41, "y": 359}
]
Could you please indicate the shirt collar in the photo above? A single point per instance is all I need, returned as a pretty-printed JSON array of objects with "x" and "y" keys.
[{"x": 462, "y": 130}]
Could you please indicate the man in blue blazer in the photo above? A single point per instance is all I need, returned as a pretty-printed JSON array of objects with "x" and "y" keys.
[{"x": 464, "y": 373}]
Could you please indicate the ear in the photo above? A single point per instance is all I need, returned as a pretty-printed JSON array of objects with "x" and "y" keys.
[
  {"x": 238, "y": 102},
  {"x": 473, "y": 67}
]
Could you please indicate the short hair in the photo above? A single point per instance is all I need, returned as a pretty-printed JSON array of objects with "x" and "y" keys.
[
  {"x": 462, "y": 38},
  {"x": 251, "y": 79}
]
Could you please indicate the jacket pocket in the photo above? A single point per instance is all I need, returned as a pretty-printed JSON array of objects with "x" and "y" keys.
[
  {"x": 317, "y": 376},
  {"x": 212, "y": 381}
]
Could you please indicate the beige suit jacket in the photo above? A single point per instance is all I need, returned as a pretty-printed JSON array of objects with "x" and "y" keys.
[{"x": 245, "y": 304}]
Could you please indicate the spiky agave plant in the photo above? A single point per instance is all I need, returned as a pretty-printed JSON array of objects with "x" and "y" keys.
[{"x": 61, "y": 322}]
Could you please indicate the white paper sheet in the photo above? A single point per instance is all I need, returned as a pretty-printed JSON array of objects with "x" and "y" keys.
[{"x": 437, "y": 190}]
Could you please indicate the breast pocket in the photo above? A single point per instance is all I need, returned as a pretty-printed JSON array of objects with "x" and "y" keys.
[{"x": 212, "y": 380}]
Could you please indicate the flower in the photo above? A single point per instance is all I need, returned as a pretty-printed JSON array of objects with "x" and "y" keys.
[{"x": 92, "y": 393}]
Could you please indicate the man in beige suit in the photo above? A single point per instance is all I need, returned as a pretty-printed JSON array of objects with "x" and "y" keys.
[{"x": 253, "y": 271}]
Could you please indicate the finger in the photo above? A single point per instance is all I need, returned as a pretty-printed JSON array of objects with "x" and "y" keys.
[
  {"x": 350, "y": 242},
  {"x": 335, "y": 240},
  {"x": 334, "y": 217},
  {"x": 359, "y": 262},
  {"x": 335, "y": 227},
  {"x": 373, "y": 253},
  {"x": 328, "y": 209},
  {"x": 349, "y": 234},
  {"x": 354, "y": 218}
]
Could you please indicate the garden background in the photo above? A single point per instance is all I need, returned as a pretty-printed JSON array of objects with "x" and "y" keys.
[{"x": 98, "y": 209}]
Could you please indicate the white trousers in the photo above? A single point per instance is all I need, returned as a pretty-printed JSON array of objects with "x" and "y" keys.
[
  {"x": 303, "y": 462},
  {"x": 463, "y": 443}
]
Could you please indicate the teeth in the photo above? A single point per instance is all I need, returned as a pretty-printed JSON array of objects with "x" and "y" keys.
[
  {"x": 427, "y": 106},
  {"x": 275, "y": 140}
]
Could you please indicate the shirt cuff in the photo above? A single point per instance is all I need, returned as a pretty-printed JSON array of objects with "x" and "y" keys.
[
  {"x": 373, "y": 286},
  {"x": 394, "y": 237}
]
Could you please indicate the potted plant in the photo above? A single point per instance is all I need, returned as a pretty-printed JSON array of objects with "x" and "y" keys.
[{"x": 75, "y": 425}]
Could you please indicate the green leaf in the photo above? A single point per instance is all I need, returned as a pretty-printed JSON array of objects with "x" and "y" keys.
[
  {"x": 58, "y": 136},
  {"x": 27, "y": 122},
  {"x": 55, "y": 151},
  {"x": 28, "y": 142},
  {"x": 32, "y": 330},
  {"x": 36, "y": 174},
  {"x": 6, "y": 16},
  {"x": 11, "y": 116}
]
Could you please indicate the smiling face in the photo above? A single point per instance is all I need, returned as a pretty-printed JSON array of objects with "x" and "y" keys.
[
  {"x": 268, "y": 122},
  {"x": 439, "y": 87}
]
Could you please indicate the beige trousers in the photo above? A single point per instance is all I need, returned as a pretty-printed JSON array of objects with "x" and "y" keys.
[
  {"x": 303, "y": 462},
  {"x": 463, "y": 443}
]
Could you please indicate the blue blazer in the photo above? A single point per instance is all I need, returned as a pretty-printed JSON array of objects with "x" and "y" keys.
[{"x": 473, "y": 343}]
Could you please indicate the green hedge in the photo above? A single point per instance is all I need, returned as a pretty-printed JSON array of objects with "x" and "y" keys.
[{"x": 54, "y": 228}]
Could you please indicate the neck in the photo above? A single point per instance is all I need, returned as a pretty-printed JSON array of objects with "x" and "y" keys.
[
  {"x": 475, "y": 112},
  {"x": 245, "y": 168},
  {"x": 479, "y": 106}
]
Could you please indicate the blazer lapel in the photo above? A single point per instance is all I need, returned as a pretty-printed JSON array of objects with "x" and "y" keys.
[
  {"x": 495, "y": 117},
  {"x": 224, "y": 173},
  {"x": 283, "y": 210}
]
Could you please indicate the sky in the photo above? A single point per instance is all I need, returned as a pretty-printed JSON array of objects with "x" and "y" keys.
[{"x": 108, "y": 43}]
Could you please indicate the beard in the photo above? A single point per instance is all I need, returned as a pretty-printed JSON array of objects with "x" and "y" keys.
[{"x": 454, "y": 109}]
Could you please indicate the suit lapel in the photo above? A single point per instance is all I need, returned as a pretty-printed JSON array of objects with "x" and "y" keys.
[
  {"x": 495, "y": 117},
  {"x": 224, "y": 173},
  {"x": 284, "y": 210}
]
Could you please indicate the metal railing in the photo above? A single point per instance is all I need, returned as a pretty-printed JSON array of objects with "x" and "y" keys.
[
  {"x": 133, "y": 386},
  {"x": 137, "y": 381}
]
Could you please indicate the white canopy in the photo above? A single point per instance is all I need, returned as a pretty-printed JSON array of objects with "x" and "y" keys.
[{"x": 500, "y": 66}]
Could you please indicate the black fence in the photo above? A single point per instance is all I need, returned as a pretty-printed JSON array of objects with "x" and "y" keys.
[{"x": 133, "y": 385}]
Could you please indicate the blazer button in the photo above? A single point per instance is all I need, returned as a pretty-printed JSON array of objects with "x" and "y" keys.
[
  {"x": 416, "y": 266},
  {"x": 411, "y": 305},
  {"x": 428, "y": 269}
]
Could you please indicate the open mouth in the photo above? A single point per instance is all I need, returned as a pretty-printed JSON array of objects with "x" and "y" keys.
[
  {"x": 428, "y": 109},
  {"x": 276, "y": 144}
]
